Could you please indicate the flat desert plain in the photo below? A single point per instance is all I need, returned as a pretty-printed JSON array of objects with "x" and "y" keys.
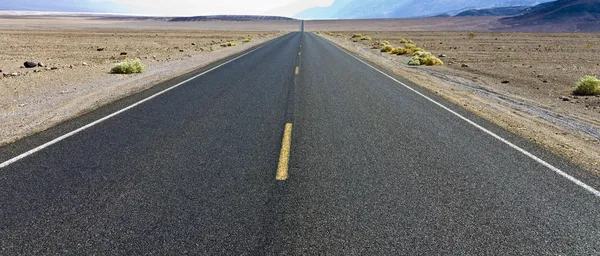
[
  {"x": 521, "y": 81},
  {"x": 78, "y": 53}
]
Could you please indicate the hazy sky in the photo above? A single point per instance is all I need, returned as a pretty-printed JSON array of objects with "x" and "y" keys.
[{"x": 208, "y": 7}]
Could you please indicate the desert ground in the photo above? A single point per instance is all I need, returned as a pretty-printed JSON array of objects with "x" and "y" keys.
[
  {"x": 77, "y": 55},
  {"x": 521, "y": 81}
]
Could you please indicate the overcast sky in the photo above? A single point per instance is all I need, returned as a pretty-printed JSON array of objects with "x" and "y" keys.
[{"x": 211, "y": 7}]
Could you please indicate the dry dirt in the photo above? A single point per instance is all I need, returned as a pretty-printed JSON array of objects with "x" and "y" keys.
[
  {"x": 539, "y": 71},
  {"x": 38, "y": 98}
]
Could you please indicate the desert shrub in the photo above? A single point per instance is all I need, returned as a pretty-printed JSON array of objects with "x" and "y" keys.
[
  {"x": 424, "y": 58},
  {"x": 385, "y": 43},
  {"x": 375, "y": 47},
  {"x": 248, "y": 40},
  {"x": 128, "y": 66},
  {"x": 398, "y": 51},
  {"x": 471, "y": 35},
  {"x": 588, "y": 46},
  {"x": 212, "y": 48},
  {"x": 406, "y": 41},
  {"x": 366, "y": 38},
  {"x": 228, "y": 44},
  {"x": 589, "y": 85},
  {"x": 387, "y": 48},
  {"x": 357, "y": 36}
]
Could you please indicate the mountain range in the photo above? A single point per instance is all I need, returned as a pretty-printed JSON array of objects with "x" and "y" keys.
[{"x": 365, "y": 9}]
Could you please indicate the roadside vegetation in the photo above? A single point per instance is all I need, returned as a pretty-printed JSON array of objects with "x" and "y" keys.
[
  {"x": 406, "y": 47},
  {"x": 229, "y": 44},
  {"x": 248, "y": 40},
  {"x": 588, "y": 86},
  {"x": 128, "y": 66}
]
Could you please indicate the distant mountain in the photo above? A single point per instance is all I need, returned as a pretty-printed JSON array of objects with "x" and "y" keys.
[
  {"x": 499, "y": 11},
  {"x": 559, "y": 12},
  {"x": 229, "y": 18},
  {"x": 63, "y": 6},
  {"x": 357, "y": 9}
]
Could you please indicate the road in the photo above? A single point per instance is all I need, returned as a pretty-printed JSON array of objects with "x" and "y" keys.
[{"x": 374, "y": 168}]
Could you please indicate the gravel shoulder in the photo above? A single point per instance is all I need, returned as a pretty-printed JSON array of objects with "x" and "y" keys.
[
  {"x": 76, "y": 78},
  {"x": 537, "y": 106}
]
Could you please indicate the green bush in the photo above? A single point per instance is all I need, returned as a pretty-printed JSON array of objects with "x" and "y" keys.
[
  {"x": 398, "y": 51},
  {"x": 589, "y": 85},
  {"x": 128, "y": 67},
  {"x": 406, "y": 41},
  {"x": 248, "y": 40},
  {"x": 357, "y": 36},
  {"x": 387, "y": 48},
  {"x": 424, "y": 58},
  {"x": 366, "y": 38},
  {"x": 385, "y": 43}
]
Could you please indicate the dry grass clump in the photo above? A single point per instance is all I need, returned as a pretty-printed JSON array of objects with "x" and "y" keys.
[
  {"x": 248, "y": 40},
  {"x": 472, "y": 35},
  {"x": 128, "y": 66},
  {"x": 406, "y": 41},
  {"x": 357, "y": 36},
  {"x": 366, "y": 38},
  {"x": 589, "y": 85},
  {"x": 229, "y": 44},
  {"x": 385, "y": 43},
  {"x": 424, "y": 58},
  {"x": 387, "y": 48}
]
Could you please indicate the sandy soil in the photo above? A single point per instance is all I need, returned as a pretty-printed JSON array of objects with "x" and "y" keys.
[
  {"x": 38, "y": 98},
  {"x": 539, "y": 72}
]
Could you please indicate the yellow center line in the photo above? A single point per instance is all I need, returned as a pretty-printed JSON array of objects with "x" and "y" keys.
[
  {"x": 284, "y": 157},
  {"x": 297, "y": 70}
]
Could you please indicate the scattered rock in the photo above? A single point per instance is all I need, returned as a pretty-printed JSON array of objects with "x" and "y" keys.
[
  {"x": 180, "y": 50},
  {"x": 563, "y": 98},
  {"x": 505, "y": 81},
  {"x": 123, "y": 53},
  {"x": 442, "y": 55},
  {"x": 29, "y": 64},
  {"x": 21, "y": 67},
  {"x": 545, "y": 81},
  {"x": 22, "y": 105},
  {"x": 465, "y": 65},
  {"x": 41, "y": 65},
  {"x": 35, "y": 71},
  {"x": 100, "y": 49},
  {"x": 193, "y": 43},
  {"x": 70, "y": 66},
  {"x": 14, "y": 74},
  {"x": 53, "y": 68},
  {"x": 84, "y": 64},
  {"x": 48, "y": 68}
]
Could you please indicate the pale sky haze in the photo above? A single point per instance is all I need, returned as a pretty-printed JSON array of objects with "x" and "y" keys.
[{"x": 212, "y": 7}]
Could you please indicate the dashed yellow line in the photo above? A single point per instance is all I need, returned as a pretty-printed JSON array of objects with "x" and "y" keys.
[
  {"x": 297, "y": 70},
  {"x": 284, "y": 157}
]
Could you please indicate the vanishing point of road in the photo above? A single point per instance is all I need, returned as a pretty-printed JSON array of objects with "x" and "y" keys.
[{"x": 294, "y": 147}]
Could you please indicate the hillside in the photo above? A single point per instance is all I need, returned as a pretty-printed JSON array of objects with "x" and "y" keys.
[
  {"x": 64, "y": 6},
  {"x": 361, "y": 9},
  {"x": 228, "y": 18},
  {"x": 560, "y": 11},
  {"x": 500, "y": 11}
]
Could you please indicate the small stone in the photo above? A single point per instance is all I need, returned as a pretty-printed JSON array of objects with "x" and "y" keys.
[
  {"x": 465, "y": 65},
  {"x": 29, "y": 64},
  {"x": 35, "y": 71},
  {"x": 100, "y": 49},
  {"x": 565, "y": 98},
  {"x": 84, "y": 64},
  {"x": 53, "y": 68},
  {"x": 505, "y": 82},
  {"x": 180, "y": 50},
  {"x": 123, "y": 53},
  {"x": 545, "y": 81},
  {"x": 48, "y": 68},
  {"x": 22, "y": 105},
  {"x": 442, "y": 55},
  {"x": 41, "y": 65},
  {"x": 154, "y": 57},
  {"x": 70, "y": 66},
  {"x": 14, "y": 74},
  {"x": 193, "y": 43}
]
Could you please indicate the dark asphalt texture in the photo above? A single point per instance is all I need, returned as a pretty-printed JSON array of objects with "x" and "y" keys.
[{"x": 375, "y": 169}]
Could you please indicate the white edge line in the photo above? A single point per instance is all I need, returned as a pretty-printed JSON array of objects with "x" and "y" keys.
[
  {"x": 530, "y": 155},
  {"x": 54, "y": 141}
]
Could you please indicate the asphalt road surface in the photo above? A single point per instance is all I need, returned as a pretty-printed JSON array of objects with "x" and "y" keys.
[{"x": 373, "y": 168}]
